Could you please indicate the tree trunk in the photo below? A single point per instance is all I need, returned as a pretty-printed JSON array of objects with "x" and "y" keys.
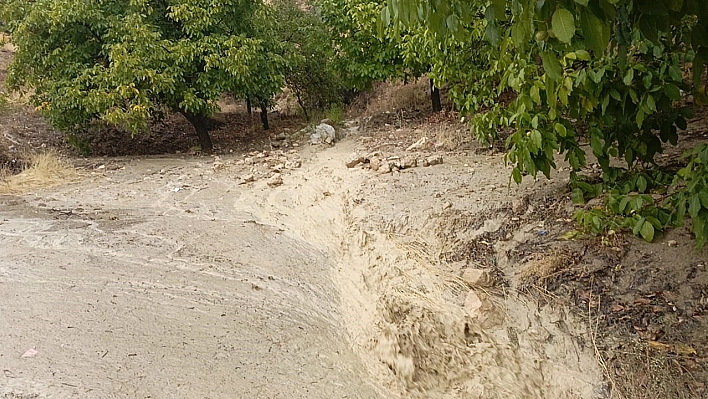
[
  {"x": 201, "y": 126},
  {"x": 248, "y": 105},
  {"x": 435, "y": 97},
  {"x": 264, "y": 116},
  {"x": 302, "y": 105}
]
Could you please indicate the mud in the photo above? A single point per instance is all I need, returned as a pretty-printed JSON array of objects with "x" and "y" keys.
[{"x": 167, "y": 278}]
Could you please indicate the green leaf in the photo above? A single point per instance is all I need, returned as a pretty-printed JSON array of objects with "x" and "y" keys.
[
  {"x": 535, "y": 94},
  {"x": 629, "y": 77},
  {"x": 500, "y": 9},
  {"x": 582, "y": 55},
  {"x": 647, "y": 231},
  {"x": 650, "y": 103},
  {"x": 551, "y": 65},
  {"x": 492, "y": 34},
  {"x": 675, "y": 73},
  {"x": 641, "y": 184},
  {"x": 595, "y": 31},
  {"x": 672, "y": 92},
  {"x": 536, "y": 139},
  {"x": 703, "y": 195},
  {"x": 560, "y": 129},
  {"x": 582, "y": 2},
  {"x": 518, "y": 35},
  {"x": 596, "y": 144},
  {"x": 638, "y": 226},
  {"x": 563, "y": 24},
  {"x": 675, "y": 5},
  {"x": 516, "y": 175},
  {"x": 694, "y": 205},
  {"x": 623, "y": 203},
  {"x": 577, "y": 196}
]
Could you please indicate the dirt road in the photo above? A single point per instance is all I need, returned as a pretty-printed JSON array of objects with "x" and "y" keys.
[
  {"x": 167, "y": 278},
  {"x": 158, "y": 284}
]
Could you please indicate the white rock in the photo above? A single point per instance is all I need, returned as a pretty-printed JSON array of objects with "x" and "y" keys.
[{"x": 323, "y": 133}]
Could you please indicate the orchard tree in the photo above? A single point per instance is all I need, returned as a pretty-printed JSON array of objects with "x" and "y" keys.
[
  {"x": 610, "y": 70},
  {"x": 310, "y": 72},
  {"x": 368, "y": 50},
  {"x": 123, "y": 61}
]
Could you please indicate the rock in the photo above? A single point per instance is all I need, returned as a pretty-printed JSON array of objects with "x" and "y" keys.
[
  {"x": 421, "y": 144},
  {"x": 247, "y": 179},
  {"x": 433, "y": 160},
  {"x": 275, "y": 180},
  {"x": 473, "y": 304},
  {"x": 327, "y": 121},
  {"x": 278, "y": 168},
  {"x": 672, "y": 243},
  {"x": 408, "y": 162},
  {"x": 477, "y": 278},
  {"x": 293, "y": 164},
  {"x": 323, "y": 133},
  {"x": 262, "y": 154},
  {"x": 375, "y": 163},
  {"x": 248, "y": 161},
  {"x": 280, "y": 137},
  {"x": 354, "y": 160},
  {"x": 447, "y": 205}
]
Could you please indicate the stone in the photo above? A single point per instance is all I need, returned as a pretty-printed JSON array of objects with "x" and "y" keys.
[
  {"x": 408, "y": 162},
  {"x": 293, "y": 164},
  {"x": 278, "y": 168},
  {"x": 248, "y": 161},
  {"x": 433, "y": 160},
  {"x": 249, "y": 178},
  {"x": 477, "y": 278},
  {"x": 354, "y": 160},
  {"x": 275, "y": 180},
  {"x": 473, "y": 304},
  {"x": 421, "y": 144},
  {"x": 323, "y": 133},
  {"x": 672, "y": 243},
  {"x": 375, "y": 163}
]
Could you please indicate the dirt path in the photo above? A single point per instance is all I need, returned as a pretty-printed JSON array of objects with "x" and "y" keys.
[
  {"x": 149, "y": 284},
  {"x": 168, "y": 278}
]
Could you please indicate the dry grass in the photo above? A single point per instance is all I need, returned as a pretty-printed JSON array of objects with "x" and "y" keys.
[
  {"x": 543, "y": 266},
  {"x": 639, "y": 372},
  {"x": 43, "y": 170},
  {"x": 394, "y": 97}
]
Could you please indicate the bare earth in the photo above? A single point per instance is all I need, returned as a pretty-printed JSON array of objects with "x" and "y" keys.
[{"x": 165, "y": 277}]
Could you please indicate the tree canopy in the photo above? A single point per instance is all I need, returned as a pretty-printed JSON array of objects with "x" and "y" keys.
[{"x": 121, "y": 61}]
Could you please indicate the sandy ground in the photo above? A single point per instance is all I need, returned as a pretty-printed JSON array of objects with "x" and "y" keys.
[{"x": 166, "y": 277}]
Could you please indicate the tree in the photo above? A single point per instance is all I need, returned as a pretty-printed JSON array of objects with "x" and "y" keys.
[
  {"x": 122, "y": 61},
  {"x": 310, "y": 72},
  {"x": 370, "y": 50},
  {"x": 606, "y": 69}
]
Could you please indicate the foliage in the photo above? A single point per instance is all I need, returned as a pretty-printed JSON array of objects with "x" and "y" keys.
[
  {"x": 123, "y": 60},
  {"x": 609, "y": 71},
  {"x": 309, "y": 72},
  {"x": 363, "y": 57}
]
